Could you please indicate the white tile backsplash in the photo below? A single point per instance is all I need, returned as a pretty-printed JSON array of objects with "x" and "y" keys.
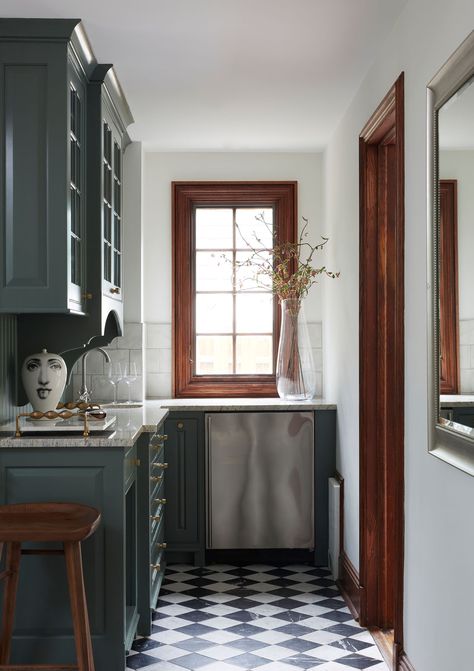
[
  {"x": 158, "y": 336},
  {"x": 159, "y": 363},
  {"x": 158, "y": 385},
  {"x": 132, "y": 337}
]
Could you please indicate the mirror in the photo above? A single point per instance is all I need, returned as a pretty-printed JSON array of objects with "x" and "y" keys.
[{"x": 451, "y": 262}]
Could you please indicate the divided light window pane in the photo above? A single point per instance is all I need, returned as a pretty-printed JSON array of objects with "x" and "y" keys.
[
  {"x": 214, "y": 228},
  {"x": 234, "y": 312}
]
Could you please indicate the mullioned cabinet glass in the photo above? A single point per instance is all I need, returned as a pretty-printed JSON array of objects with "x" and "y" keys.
[{"x": 43, "y": 103}]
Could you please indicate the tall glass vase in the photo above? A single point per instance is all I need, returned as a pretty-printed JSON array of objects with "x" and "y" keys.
[{"x": 295, "y": 374}]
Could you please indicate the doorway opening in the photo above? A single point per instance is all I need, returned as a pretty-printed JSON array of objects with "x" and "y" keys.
[{"x": 381, "y": 350}]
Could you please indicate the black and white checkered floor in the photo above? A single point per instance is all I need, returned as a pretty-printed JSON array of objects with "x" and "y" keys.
[{"x": 228, "y": 618}]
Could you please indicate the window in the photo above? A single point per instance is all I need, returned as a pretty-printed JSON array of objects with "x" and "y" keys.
[{"x": 226, "y": 325}]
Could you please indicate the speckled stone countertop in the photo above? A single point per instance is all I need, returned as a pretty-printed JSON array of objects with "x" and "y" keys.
[
  {"x": 130, "y": 423},
  {"x": 236, "y": 404}
]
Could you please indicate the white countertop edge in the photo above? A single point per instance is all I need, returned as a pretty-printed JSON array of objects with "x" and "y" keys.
[{"x": 456, "y": 400}]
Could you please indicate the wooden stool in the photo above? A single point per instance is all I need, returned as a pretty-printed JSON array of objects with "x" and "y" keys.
[{"x": 69, "y": 524}]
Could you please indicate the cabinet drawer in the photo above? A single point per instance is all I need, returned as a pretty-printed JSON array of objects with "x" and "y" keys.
[
  {"x": 157, "y": 489},
  {"x": 156, "y": 481},
  {"x": 156, "y": 454}
]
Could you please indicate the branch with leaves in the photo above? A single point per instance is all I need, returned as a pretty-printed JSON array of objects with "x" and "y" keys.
[{"x": 287, "y": 267}]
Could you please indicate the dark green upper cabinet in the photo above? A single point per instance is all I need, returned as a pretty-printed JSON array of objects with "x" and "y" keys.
[
  {"x": 43, "y": 103},
  {"x": 108, "y": 117},
  {"x": 63, "y": 118}
]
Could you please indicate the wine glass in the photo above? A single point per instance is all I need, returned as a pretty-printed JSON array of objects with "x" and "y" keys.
[
  {"x": 113, "y": 373},
  {"x": 129, "y": 376}
]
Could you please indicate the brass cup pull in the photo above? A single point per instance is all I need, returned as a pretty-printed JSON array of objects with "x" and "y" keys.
[
  {"x": 162, "y": 546},
  {"x": 160, "y": 465},
  {"x": 155, "y": 518},
  {"x": 162, "y": 501},
  {"x": 156, "y": 478},
  {"x": 157, "y": 567},
  {"x": 115, "y": 290},
  {"x": 87, "y": 296}
]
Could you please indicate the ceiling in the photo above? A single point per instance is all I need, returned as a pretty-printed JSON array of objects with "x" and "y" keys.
[{"x": 238, "y": 75}]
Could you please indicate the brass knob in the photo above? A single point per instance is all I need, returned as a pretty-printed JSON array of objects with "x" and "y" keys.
[
  {"x": 155, "y": 518},
  {"x": 115, "y": 290},
  {"x": 157, "y": 567},
  {"x": 162, "y": 546},
  {"x": 180, "y": 425},
  {"x": 159, "y": 464},
  {"x": 156, "y": 478},
  {"x": 162, "y": 501}
]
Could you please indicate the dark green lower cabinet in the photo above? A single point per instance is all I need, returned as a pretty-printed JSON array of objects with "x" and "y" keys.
[
  {"x": 184, "y": 487},
  {"x": 152, "y": 506},
  {"x": 106, "y": 479}
]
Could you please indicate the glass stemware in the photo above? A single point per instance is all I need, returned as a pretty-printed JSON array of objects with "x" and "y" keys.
[
  {"x": 129, "y": 376},
  {"x": 113, "y": 374}
]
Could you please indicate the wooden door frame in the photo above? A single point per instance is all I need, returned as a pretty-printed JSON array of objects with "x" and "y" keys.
[{"x": 381, "y": 361}]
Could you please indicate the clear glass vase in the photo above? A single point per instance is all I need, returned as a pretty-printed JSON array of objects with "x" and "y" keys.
[{"x": 295, "y": 373}]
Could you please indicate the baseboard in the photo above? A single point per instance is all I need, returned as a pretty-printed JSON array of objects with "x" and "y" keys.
[
  {"x": 404, "y": 663},
  {"x": 349, "y": 585}
]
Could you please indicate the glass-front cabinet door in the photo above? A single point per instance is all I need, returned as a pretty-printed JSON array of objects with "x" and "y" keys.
[
  {"x": 112, "y": 210},
  {"x": 77, "y": 108}
]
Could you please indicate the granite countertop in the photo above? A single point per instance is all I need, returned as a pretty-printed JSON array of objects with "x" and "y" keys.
[
  {"x": 133, "y": 421},
  {"x": 130, "y": 423},
  {"x": 235, "y": 404}
]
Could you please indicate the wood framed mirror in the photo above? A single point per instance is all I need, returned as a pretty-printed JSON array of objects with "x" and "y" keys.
[{"x": 450, "y": 98}]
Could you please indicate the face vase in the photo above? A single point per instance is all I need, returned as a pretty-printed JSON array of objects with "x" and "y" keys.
[{"x": 44, "y": 378}]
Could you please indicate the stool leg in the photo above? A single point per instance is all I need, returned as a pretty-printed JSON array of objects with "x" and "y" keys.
[
  {"x": 12, "y": 564},
  {"x": 80, "y": 619}
]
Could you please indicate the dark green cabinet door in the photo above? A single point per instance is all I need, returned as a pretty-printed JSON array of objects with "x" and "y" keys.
[
  {"x": 184, "y": 485},
  {"x": 464, "y": 416},
  {"x": 42, "y": 113}
]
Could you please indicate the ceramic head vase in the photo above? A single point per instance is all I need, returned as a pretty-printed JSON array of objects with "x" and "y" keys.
[{"x": 44, "y": 378}]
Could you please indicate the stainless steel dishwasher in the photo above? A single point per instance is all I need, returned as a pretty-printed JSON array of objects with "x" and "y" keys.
[{"x": 260, "y": 480}]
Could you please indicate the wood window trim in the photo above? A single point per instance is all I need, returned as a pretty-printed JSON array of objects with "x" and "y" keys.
[
  {"x": 448, "y": 288},
  {"x": 282, "y": 196}
]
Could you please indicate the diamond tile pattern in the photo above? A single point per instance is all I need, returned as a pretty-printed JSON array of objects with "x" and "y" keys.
[{"x": 229, "y": 618}]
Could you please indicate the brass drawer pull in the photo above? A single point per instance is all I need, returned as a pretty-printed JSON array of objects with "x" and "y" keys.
[
  {"x": 162, "y": 501},
  {"x": 162, "y": 546},
  {"x": 155, "y": 518},
  {"x": 115, "y": 290},
  {"x": 157, "y": 567},
  {"x": 157, "y": 440},
  {"x": 160, "y": 465},
  {"x": 156, "y": 478}
]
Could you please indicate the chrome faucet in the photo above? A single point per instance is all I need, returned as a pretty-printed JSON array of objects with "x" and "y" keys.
[{"x": 84, "y": 393}]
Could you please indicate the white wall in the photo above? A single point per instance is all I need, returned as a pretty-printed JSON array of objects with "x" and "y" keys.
[
  {"x": 163, "y": 168},
  {"x": 439, "y": 533}
]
